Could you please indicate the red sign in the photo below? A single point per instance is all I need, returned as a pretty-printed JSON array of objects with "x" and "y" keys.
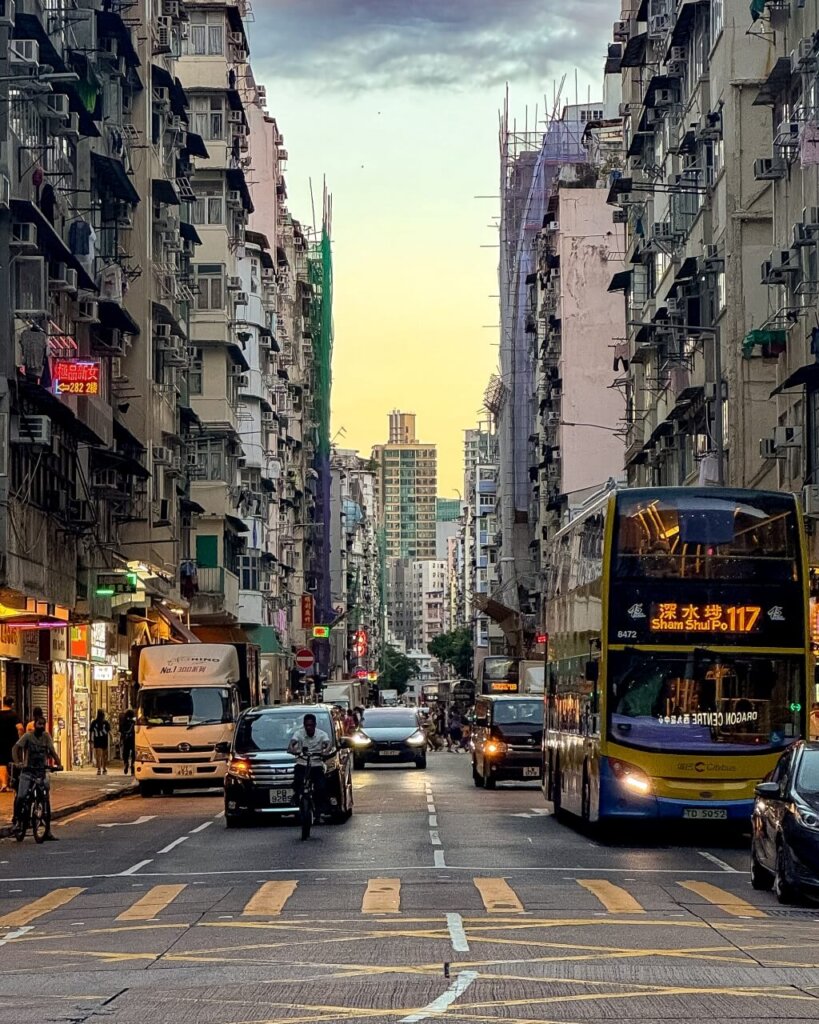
[
  {"x": 360, "y": 645},
  {"x": 76, "y": 376},
  {"x": 542, "y": 638},
  {"x": 78, "y": 642},
  {"x": 362, "y": 673},
  {"x": 304, "y": 659},
  {"x": 307, "y": 611}
]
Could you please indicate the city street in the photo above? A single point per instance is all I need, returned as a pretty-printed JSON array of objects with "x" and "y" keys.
[{"x": 436, "y": 900}]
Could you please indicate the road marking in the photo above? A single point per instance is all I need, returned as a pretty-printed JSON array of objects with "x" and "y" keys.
[
  {"x": 439, "y": 861},
  {"x": 716, "y": 860},
  {"x": 31, "y": 911},
  {"x": 382, "y": 896},
  {"x": 615, "y": 899},
  {"x": 433, "y": 820},
  {"x": 498, "y": 896},
  {"x": 727, "y": 901},
  {"x": 152, "y": 903},
  {"x": 444, "y": 1001},
  {"x": 201, "y": 828},
  {"x": 11, "y": 936},
  {"x": 131, "y": 870},
  {"x": 270, "y": 898},
  {"x": 170, "y": 846},
  {"x": 534, "y": 812},
  {"x": 457, "y": 935},
  {"x": 119, "y": 824},
  {"x": 434, "y": 837},
  {"x": 221, "y": 814}
]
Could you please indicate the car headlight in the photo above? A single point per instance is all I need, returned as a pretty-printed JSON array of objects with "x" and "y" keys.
[
  {"x": 494, "y": 748},
  {"x": 144, "y": 754},
  {"x": 631, "y": 776},
  {"x": 240, "y": 767},
  {"x": 806, "y": 816},
  {"x": 417, "y": 739},
  {"x": 360, "y": 739}
]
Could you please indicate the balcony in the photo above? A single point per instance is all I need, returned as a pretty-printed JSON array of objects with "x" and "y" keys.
[{"x": 218, "y": 595}]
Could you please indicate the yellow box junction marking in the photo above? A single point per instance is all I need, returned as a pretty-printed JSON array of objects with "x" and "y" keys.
[
  {"x": 728, "y": 901},
  {"x": 615, "y": 899},
  {"x": 44, "y": 905},
  {"x": 498, "y": 896},
  {"x": 152, "y": 903},
  {"x": 270, "y": 898},
  {"x": 382, "y": 896}
]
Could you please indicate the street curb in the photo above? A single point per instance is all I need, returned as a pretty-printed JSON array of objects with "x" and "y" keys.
[{"x": 79, "y": 805}]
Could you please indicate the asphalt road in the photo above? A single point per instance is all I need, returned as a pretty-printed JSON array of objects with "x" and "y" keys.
[{"x": 436, "y": 901}]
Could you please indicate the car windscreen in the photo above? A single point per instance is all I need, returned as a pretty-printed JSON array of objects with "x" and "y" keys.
[
  {"x": 194, "y": 705},
  {"x": 389, "y": 720},
  {"x": 807, "y": 781},
  {"x": 273, "y": 730},
  {"x": 518, "y": 712}
]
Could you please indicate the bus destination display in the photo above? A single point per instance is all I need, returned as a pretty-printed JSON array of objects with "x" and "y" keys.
[{"x": 673, "y": 617}]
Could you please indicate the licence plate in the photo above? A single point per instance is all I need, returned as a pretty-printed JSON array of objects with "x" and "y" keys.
[
  {"x": 280, "y": 796},
  {"x": 531, "y": 773},
  {"x": 390, "y": 753},
  {"x": 185, "y": 771},
  {"x": 706, "y": 813}
]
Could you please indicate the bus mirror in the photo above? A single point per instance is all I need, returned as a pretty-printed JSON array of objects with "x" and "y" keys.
[{"x": 592, "y": 671}]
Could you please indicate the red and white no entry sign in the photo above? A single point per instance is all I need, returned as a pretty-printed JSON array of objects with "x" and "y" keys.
[{"x": 304, "y": 659}]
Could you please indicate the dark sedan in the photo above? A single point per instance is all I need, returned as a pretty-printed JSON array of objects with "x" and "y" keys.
[
  {"x": 785, "y": 836},
  {"x": 389, "y": 736}
]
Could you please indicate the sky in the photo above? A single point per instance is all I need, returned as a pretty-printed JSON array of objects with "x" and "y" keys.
[{"x": 395, "y": 104}]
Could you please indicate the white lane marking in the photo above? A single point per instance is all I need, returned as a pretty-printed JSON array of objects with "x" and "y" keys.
[
  {"x": 445, "y": 1000},
  {"x": 439, "y": 859},
  {"x": 455, "y": 924},
  {"x": 434, "y": 838},
  {"x": 201, "y": 828},
  {"x": 221, "y": 814},
  {"x": 170, "y": 846},
  {"x": 431, "y": 808},
  {"x": 133, "y": 869},
  {"x": 10, "y": 936},
  {"x": 535, "y": 812},
  {"x": 118, "y": 824},
  {"x": 433, "y": 820},
  {"x": 720, "y": 863}
]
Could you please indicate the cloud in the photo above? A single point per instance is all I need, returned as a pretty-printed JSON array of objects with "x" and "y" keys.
[{"x": 353, "y": 45}]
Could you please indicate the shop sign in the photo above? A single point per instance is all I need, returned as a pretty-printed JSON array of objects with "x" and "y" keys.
[
  {"x": 99, "y": 636},
  {"x": 11, "y": 642},
  {"x": 307, "y": 611},
  {"x": 103, "y": 673},
  {"x": 59, "y": 644},
  {"x": 76, "y": 376},
  {"x": 30, "y": 652},
  {"x": 78, "y": 643}
]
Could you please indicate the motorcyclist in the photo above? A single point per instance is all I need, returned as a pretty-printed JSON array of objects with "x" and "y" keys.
[
  {"x": 313, "y": 741},
  {"x": 32, "y": 752}
]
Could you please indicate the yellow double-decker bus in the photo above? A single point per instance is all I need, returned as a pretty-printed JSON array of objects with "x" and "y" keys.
[{"x": 679, "y": 652}]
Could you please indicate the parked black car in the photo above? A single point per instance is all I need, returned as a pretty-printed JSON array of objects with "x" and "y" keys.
[
  {"x": 260, "y": 771},
  {"x": 785, "y": 836},
  {"x": 390, "y": 736},
  {"x": 507, "y": 739}
]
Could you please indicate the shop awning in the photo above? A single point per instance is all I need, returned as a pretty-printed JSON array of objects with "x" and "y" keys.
[
  {"x": 195, "y": 146},
  {"x": 775, "y": 84},
  {"x": 257, "y": 238},
  {"x": 635, "y": 52},
  {"x": 236, "y": 524},
  {"x": 112, "y": 26},
  {"x": 238, "y": 356},
  {"x": 162, "y": 191},
  {"x": 176, "y": 624},
  {"x": 114, "y": 316},
  {"x": 189, "y": 233},
  {"x": 621, "y": 281},
  {"x": 160, "y": 78},
  {"x": 804, "y": 377},
  {"x": 267, "y": 639},
  {"x": 114, "y": 178},
  {"x": 49, "y": 239}
]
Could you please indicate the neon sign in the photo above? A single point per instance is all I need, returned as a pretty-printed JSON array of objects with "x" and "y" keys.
[
  {"x": 76, "y": 376},
  {"x": 670, "y": 617}
]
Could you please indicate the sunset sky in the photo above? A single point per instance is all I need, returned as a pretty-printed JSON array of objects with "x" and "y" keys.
[{"x": 396, "y": 103}]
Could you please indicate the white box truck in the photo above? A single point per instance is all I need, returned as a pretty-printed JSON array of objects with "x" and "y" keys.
[{"x": 188, "y": 701}]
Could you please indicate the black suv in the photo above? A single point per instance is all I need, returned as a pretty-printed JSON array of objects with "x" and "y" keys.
[
  {"x": 260, "y": 771},
  {"x": 507, "y": 739}
]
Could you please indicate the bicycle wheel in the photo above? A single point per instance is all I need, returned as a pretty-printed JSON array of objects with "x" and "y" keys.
[
  {"x": 39, "y": 819},
  {"x": 306, "y": 816},
  {"x": 20, "y": 823}
]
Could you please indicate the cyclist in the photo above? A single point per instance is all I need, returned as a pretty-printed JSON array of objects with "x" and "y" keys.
[
  {"x": 32, "y": 752},
  {"x": 316, "y": 742}
]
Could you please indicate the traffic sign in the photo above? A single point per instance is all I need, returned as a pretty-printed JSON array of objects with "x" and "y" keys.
[{"x": 304, "y": 659}]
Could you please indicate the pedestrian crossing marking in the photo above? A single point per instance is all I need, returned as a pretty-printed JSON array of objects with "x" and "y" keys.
[
  {"x": 382, "y": 896},
  {"x": 44, "y": 905},
  {"x": 498, "y": 896},
  {"x": 270, "y": 898},
  {"x": 727, "y": 901},
  {"x": 152, "y": 903},
  {"x": 614, "y": 898}
]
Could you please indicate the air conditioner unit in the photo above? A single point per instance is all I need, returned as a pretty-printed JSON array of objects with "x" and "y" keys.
[
  {"x": 668, "y": 442},
  {"x": 105, "y": 480},
  {"x": 241, "y": 298},
  {"x": 34, "y": 430},
  {"x": 768, "y": 450},
  {"x": 236, "y": 39},
  {"x": 241, "y": 380},
  {"x": 162, "y": 330},
  {"x": 662, "y": 231},
  {"x": 803, "y": 58},
  {"x": 619, "y": 217},
  {"x": 620, "y": 32},
  {"x": 675, "y": 68},
  {"x": 233, "y": 284},
  {"x": 282, "y": 155},
  {"x": 163, "y": 35},
  {"x": 57, "y": 106},
  {"x": 674, "y": 307},
  {"x": 24, "y": 56},
  {"x": 161, "y": 455},
  {"x": 786, "y": 260},
  {"x": 787, "y": 134},
  {"x": 234, "y": 117},
  {"x": 234, "y": 198},
  {"x": 553, "y": 419},
  {"x": 58, "y": 277},
  {"x": 70, "y": 128},
  {"x": 678, "y": 53},
  {"x": 24, "y": 236},
  {"x": 664, "y": 98},
  {"x": 658, "y": 25},
  {"x": 770, "y": 168},
  {"x": 79, "y": 513},
  {"x": 6, "y": 12},
  {"x": 810, "y": 217},
  {"x": 802, "y": 235},
  {"x": 161, "y": 95},
  {"x": 552, "y": 225},
  {"x": 710, "y": 252},
  {"x": 170, "y": 8},
  {"x": 810, "y": 501},
  {"x": 87, "y": 312},
  {"x": 788, "y": 437},
  {"x": 71, "y": 282}
]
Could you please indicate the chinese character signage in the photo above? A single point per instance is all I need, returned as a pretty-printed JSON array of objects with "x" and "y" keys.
[
  {"x": 673, "y": 617},
  {"x": 78, "y": 642},
  {"x": 76, "y": 376},
  {"x": 307, "y": 611}
]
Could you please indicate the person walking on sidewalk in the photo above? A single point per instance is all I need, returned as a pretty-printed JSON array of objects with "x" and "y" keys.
[
  {"x": 127, "y": 736},
  {"x": 98, "y": 738},
  {"x": 10, "y": 729}
]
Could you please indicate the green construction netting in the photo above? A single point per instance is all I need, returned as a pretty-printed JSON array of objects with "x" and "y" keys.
[{"x": 772, "y": 339}]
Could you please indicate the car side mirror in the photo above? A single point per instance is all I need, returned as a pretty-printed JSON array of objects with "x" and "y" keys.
[
  {"x": 223, "y": 748},
  {"x": 769, "y": 790}
]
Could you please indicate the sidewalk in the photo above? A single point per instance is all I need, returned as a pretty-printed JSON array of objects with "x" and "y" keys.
[{"x": 74, "y": 791}]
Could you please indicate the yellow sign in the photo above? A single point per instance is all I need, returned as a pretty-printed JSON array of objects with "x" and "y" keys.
[{"x": 669, "y": 617}]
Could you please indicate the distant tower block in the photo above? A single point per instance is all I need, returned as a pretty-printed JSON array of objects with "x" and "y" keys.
[{"x": 402, "y": 427}]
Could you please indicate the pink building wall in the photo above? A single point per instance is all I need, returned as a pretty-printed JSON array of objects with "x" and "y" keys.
[{"x": 264, "y": 146}]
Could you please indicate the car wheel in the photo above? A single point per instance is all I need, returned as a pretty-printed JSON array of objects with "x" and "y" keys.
[
  {"x": 783, "y": 887},
  {"x": 421, "y": 762},
  {"x": 146, "y": 789},
  {"x": 761, "y": 878},
  {"x": 235, "y": 821},
  {"x": 476, "y": 775}
]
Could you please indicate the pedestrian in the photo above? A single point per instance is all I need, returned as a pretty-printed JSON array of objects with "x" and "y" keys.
[
  {"x": 127, "y": 737},
  {"x": 349, "y": 722},
  {"x": 455, "y": 731},
  {"x": 98, "y": 738},
  {"x": 10, "y": 730},
  {"x": 36, "y": 713}
]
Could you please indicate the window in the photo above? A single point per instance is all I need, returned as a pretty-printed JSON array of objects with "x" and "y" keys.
[
  {"x": 208, "y": 208},
  {"x": 717, "y": 18},
  {"x": 208, "y": 118},
  {"x": 207, "y": 33},
  {"x": 196, "y": 371},
  {"x": 209, "y": 290},
  {"x": 249, "y": 572},
  {"x": 211, "y": 460}
]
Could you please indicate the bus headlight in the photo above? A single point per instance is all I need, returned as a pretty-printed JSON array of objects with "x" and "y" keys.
[
  {"x": 144, "y": 754},
  {"x": 631, "y": 776}
]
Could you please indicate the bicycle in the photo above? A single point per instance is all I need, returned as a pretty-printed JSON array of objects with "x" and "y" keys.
[
  {"x": 307, "y": 802},
  {"x": 35, "y": 812}
]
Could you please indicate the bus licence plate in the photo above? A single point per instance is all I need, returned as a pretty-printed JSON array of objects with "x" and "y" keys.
[
  {"x": 706, "y": 813},
  {"x": 280, "y": 796},
  {"x": 531, "y": 773},
  {"x": 185, "y": 771}
]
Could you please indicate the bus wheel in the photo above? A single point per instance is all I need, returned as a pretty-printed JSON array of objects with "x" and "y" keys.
[{"x": 585, "y": 795}]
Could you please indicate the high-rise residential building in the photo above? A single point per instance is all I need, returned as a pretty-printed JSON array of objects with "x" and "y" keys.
[
  {"x": 407, "y": 484},
  {"x": 447, "y": 515}
]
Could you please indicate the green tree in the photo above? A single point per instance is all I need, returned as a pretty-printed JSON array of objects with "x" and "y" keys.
[
  {"x": 454, "y": 649},
  {"x": 395, "y": 670}
]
